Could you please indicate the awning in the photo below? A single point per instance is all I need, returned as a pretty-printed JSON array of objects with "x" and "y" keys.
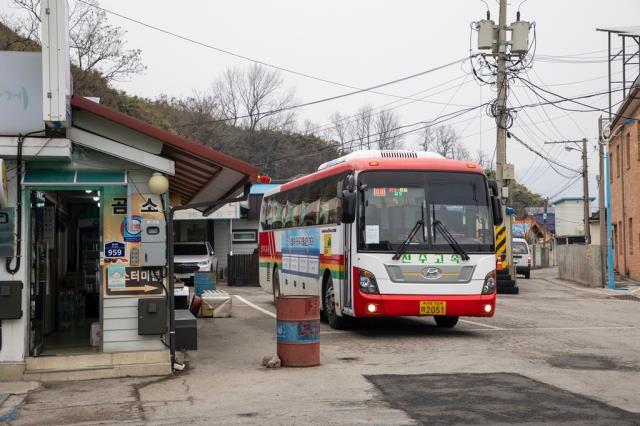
[{"x": 200, "y": 174}]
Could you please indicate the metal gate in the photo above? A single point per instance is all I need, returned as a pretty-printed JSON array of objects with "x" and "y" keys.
[{"x": 242, "y": 269}]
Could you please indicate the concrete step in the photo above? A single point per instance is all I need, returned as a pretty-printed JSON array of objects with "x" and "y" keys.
[
  {"x": 91, "y": 373},
  {"x": 97, "y": 365}
]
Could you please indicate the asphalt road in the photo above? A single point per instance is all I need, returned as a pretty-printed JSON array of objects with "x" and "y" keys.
[{"x": 554, "y": 354}]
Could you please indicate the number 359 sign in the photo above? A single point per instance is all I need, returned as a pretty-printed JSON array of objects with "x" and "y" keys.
[{"x": 114, "y": 249}]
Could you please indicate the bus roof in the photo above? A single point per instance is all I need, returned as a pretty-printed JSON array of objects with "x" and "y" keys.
[{"x": 383, "y": 160}]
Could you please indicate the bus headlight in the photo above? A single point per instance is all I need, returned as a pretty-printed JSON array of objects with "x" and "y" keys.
[
  {"x": 368, "y": 282},
  {"x": 489, "y": 285}
]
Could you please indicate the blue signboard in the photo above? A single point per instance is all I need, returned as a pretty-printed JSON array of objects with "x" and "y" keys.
[{"x": 114, "y": 249}]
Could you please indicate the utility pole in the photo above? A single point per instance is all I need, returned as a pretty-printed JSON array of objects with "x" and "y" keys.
[
  {"x": 585, "y": 181},
  {"x": 545, "y": 247},
  {"x": 585, "y": 193},
  {"x": 503, "y": 172},
  {"x": 601, "y": 206}
]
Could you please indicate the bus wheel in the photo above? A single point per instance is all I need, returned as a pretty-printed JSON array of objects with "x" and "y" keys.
[
  {"x": 276, "y": 284},
  {"x": 446, "y": 322},
  {"x": 329, "y": 307}
]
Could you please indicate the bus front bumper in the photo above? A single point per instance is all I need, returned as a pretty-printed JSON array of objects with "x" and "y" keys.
[{"x": 403, "y": 305}]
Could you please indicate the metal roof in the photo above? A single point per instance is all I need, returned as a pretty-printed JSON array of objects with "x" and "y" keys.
[{"x": 201, "y": 174}]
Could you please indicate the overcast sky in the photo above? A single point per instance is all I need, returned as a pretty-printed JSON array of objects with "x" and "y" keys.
[{"x": 363, "y": 43}]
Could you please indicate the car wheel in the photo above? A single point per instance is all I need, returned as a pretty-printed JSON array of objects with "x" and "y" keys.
[
  {"x": 276, "y": 284},
  {"x": 446, "y": 322},
  {"x": 329, "y": 307},
  {"x": 527, "y": 274}
]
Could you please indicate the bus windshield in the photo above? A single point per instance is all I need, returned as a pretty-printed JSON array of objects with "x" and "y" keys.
[{"x": 392, "y": 204}]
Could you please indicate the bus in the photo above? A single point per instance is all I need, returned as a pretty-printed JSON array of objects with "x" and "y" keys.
[{"x": 384, "y": 234}]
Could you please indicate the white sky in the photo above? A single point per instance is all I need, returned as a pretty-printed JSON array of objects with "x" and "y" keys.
[{"x": 364, "y": 42}]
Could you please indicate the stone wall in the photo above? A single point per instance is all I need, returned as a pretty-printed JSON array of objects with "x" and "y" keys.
[{"x": 580, "y": 263}]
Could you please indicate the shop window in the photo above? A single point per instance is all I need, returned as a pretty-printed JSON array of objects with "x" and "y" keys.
[{"x": 244, "y": 236}]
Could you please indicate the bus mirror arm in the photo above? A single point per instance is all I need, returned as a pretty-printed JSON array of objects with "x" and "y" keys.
[{"x": 496, "y": 206}]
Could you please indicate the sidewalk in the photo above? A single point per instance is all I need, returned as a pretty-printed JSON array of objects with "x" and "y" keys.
[
  {"x": 628, "y": 287},
  {"x": 12, "y": 395}
]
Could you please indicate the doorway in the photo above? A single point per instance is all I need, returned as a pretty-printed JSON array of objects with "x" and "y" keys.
[{"x": 65, "y": 270}]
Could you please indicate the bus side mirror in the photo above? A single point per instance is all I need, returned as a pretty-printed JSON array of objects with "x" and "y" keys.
[
  {"x": 349, "y": 200},
  {"x": 493, "y": 185},
  {"x": 496, "y": 206}
]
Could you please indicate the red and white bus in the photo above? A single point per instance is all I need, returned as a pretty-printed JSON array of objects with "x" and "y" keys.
[{"x": 384, "y": 233}]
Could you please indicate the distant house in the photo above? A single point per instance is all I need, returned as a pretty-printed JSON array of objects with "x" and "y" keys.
[
  {"x": 530, "y": 229},
  {"x": 569, "y": 220}
]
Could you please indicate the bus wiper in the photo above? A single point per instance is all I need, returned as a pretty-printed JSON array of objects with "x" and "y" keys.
[
  {"x": 450, "y": 239},
  {"x": 406, "y": 242}
]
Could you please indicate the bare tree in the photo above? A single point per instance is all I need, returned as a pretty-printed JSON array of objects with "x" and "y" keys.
[
  {"x": 444, "y": 141},
  {"x": 255, "y": 99},
  {"x": 95, "y": 44},
  {"x": 483, "y": 159},
  {"x": 341, "y": 131},
  {"x": 387, "y": 130},
  {"x": 363, "y": 127}
]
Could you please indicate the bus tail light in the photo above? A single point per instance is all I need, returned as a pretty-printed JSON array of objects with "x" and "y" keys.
[
  {"x": 368, "y": 282},
  {"x": 489, "y": 285}
]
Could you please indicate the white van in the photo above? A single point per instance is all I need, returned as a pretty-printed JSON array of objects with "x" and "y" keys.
[{"x": 522, "y": 257}]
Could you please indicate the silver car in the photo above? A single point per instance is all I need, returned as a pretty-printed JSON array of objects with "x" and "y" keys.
[{"x": 188, "y": 258}]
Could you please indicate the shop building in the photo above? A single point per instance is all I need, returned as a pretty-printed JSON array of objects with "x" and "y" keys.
[{"x": 93, "y": 241}]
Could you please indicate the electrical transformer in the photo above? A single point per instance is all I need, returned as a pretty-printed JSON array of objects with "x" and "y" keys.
[
  {"x": 487, "y": 34},
  {"x": 520, "y": 37}
]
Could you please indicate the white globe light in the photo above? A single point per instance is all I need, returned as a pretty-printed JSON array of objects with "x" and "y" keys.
[{"x": 158, "y": 184}]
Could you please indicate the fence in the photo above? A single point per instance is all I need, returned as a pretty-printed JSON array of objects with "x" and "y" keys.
[
  {"x": 580, "y": 263},
  {"x": 242, "y": 269}
]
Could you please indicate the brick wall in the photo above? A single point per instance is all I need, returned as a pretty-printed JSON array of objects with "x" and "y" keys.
[{"x": 625, "y": 197}]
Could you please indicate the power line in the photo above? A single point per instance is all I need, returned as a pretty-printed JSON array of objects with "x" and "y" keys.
[
  {"x": 256, "y": 61},
  {"x": 331, "y": 98},
  {"x": 425, "y": 124}
]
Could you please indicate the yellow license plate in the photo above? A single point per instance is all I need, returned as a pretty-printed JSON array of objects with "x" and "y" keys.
[{"x": 431, "y": 307}]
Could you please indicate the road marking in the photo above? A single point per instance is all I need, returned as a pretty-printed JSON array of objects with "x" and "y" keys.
[
  {"x": 256, "y": 307},
  {"x": 622, "y": 327},
  {"x": 493, "y": 327}
]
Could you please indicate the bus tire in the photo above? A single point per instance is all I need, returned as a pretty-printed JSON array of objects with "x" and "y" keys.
[
  {"x": 446, "y": 322},
  {"x": 329, "y": 306},
  {"x": 276, "y": 283}
]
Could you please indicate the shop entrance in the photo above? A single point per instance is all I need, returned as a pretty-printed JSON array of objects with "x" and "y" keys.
[{"x": 65, "y": 270}]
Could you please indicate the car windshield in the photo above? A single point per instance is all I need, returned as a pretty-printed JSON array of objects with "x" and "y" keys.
[
  {"x": 392, "y": 204},
  {"x": 520, "y": 247},
  {"x": 190, "y": 249}
]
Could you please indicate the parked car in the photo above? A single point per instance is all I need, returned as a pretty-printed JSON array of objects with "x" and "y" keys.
[
  {"x": 522, "y": 257},
  {"x": 188, "y": 258}
]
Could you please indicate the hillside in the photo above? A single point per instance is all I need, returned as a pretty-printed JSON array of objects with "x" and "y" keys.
[{"x": 277, "y": 154}]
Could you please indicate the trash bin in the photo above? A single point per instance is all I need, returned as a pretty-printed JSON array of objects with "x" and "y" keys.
[{"x": 298, "y": 328}]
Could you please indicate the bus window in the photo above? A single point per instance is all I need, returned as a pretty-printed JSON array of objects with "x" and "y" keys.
[
  {"x": 311, "y": 201},
  {"x": 278, "y": 211}
]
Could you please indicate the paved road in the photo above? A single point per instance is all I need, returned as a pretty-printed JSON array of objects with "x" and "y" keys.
[{"x": 555, "y": 353}]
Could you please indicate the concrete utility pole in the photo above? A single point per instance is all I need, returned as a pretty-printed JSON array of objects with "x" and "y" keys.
[
  {"x": 545, "y": 244},
  {"x": 601, "y": 206},
  {"x": 585, "y": 181},
  {"x": 502, "y": 178},
  {"x": 585, "y": 193}
]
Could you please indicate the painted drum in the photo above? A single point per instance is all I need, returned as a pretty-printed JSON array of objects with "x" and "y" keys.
[{"x": 298, "y": 328}]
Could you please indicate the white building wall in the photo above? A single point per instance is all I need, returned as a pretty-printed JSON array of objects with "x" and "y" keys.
[{"x": 14, "y": 332}]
